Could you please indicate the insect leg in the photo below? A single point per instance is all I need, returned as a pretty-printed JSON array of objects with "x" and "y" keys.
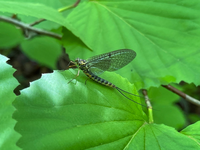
[
  {"x": 86, "y": 80},
  {"x": 75, "y": 76}
]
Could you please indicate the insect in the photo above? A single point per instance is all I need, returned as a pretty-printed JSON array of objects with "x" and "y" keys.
[{"x": 111, "y": 61}]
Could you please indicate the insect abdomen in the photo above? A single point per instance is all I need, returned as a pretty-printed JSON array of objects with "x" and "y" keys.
[{"x": 99, "y": 80}]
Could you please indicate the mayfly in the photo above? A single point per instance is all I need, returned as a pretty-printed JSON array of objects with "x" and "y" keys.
[{"x": 111, "y": 61}]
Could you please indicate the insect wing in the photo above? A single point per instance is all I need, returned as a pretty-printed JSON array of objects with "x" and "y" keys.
[
  {"x": 111, "y": 61},
  {"x": 99, "y": 68},
  {"x": 100, "y": 65},
  {"x": 96, "y": 70}
]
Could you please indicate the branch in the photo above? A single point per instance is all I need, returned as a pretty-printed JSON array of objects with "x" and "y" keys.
[
  {"x": 38, "y": 31},
  {"x": 28, "y": 27},
  {"x": 183, "y": 95},
  {"x": 37, "y": 22}
]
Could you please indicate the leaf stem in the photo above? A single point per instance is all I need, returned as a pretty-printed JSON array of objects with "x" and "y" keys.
[
  {"x": 69, "y": 7},
  {"x": 149, "y": 106},
  {"x": 183, "y": 95}
]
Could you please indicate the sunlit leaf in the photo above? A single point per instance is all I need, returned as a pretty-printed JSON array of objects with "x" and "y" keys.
[
  {"x": 51, "y": 109},
  {"x": 192, "y": 132},
  {"x": 8, "y": 135}
]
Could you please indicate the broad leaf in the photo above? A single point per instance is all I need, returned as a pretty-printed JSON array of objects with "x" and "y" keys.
[
  {"x": 52, "y": 114},
  {"x": 44, "y": 50},
  {"x": 9, "y": 35},
  {"x": 166, "y": 111},
  {"x": 8, "y": 135},
  {"x": 158, "y": 137},
  {"x": 166, "y": 40},
  {"x": 193, "y": 132},
  {"x": 74, "y": 44},
  {"x": 47, "y": 25},
  {"x": 79, "y": 113},
  {"x": 32, "y": 9}
]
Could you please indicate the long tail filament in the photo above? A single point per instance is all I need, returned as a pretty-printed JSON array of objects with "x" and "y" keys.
[{"x": 120, "y": 91}]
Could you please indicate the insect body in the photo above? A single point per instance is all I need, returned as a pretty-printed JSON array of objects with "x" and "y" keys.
[
  {"x": 106, "y": 62},
  {"x": 83, "y": 66}
]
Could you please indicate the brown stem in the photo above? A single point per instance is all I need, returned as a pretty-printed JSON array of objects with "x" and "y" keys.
[
  {"x": 183, "y": 95},
  {"x": 37, "y": 22},
  {"x": 28, "y": 27},
  {"x": 77, "y": 2}
]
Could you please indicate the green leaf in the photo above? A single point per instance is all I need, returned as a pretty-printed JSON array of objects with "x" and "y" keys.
[
  {"x": 32, "y": 9},
  {"x": 166, "y": 40},
  {"x": 58, "y": 115},
  {"x": 169, "y": 115},
  {"x": 166, "y": 112},
  {"x": 45, "y": 24},
  {"x": 73, "y": 44},
  {"x": 9, "y": 35},
  {"x": 193, "y": 132},
  {"x": 156, "y": 96},
  {"x": 51, "y": 3},
  {"x": 78, "y": 113},
  {"x": 44, "y": 50},
  {"x": 8, "y": 135},
  {"x": 162, "y": 137},
  {"x": 193, "y": 117}
]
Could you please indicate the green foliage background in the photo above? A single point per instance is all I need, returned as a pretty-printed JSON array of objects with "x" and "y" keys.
[{"x": 52, "y": 114}]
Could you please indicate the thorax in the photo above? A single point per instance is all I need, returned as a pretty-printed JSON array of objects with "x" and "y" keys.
[{"x": 82, "y": 64}]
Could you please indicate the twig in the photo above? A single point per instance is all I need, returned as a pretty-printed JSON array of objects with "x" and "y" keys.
[
  {"x": 183, "y": 95},
  {"x": 28, "y": 27},
  {"x": 37, "y": 22}
]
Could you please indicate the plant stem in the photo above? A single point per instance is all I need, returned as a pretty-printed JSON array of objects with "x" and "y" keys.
[
  {"x": 149, "y": 106},
  {"x": 37, "y": 22},
  {"x": 29, "y": 28},
  {"x": 69, "y": 7},
  {"x": 183, "y": 95}
]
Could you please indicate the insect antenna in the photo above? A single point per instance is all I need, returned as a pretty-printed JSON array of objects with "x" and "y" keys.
[{"x": 120, "y": 91}]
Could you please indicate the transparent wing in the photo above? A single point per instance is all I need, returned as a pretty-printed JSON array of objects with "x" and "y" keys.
[
  {"x": 111, "y": 61},
  {"x": 96, "y": 70}
]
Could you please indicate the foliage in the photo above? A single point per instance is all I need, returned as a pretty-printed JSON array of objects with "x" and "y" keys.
[
  {"x": 41, "y": 47},
  {"x": 52, "y": 114},
  {"x": 8, "y": 135},
  {"x": 162, "y": 104}
]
